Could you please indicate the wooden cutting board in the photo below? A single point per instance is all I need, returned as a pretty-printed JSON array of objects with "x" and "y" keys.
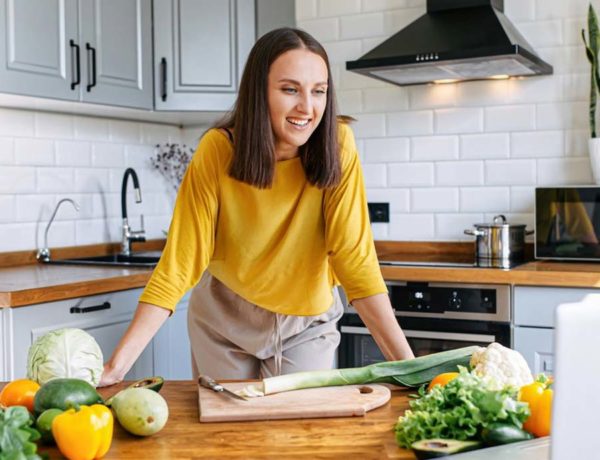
[{"x": 342, "y": 401}]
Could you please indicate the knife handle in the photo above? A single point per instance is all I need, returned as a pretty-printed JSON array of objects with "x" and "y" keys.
[{"x": 208, "y": 382}]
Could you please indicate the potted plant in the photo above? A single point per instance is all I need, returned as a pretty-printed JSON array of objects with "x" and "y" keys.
[{"x": 592, "y": 46}]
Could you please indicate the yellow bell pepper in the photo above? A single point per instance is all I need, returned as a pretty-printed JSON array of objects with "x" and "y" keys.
[
  {"x": 84, "y": 434},
  {"x": 539, "y": 397}
]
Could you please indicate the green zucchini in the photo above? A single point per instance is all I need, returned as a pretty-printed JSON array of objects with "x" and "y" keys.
[{"x": 503, "y": 433}]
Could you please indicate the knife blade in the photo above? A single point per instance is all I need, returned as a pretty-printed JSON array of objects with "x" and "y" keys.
[{"x": 209, "y": 383}]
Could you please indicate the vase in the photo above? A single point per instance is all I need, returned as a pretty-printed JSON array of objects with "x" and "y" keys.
[{"x": 594, "y": 147}]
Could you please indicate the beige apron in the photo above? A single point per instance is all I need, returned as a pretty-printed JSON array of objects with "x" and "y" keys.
[{"x": 232, "y": 338}]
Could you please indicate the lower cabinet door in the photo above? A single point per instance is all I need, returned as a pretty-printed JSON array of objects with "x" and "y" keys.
[{"x": 536, "y": 345}]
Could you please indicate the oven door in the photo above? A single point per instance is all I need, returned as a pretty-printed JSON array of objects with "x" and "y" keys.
[{"x": 358, "y": 348}]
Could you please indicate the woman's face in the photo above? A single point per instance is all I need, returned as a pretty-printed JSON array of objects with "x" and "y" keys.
[{"x": 297, "y": 92}]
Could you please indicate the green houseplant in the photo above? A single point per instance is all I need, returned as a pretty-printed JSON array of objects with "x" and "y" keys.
[{"x": 592, "y": 47}]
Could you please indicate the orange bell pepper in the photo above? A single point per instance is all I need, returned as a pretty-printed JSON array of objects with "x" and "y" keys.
[
  {"x": 84, "y": 434},
  {"x": 539, "y": 397}
]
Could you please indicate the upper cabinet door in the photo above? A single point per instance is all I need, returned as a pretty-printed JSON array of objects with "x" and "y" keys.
[
  {"x": 116, "y": 52},
  {"x": 38, "y": 48},
  {"x": 200, "y": 47}
]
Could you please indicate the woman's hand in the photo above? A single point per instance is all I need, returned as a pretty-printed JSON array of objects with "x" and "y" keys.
[{"x": 110, "y": 376}]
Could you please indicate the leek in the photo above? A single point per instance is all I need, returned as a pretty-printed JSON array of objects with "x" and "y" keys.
[{"x": 409, "y": 373}]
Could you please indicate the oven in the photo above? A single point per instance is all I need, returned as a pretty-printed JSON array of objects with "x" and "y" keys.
[{"x": 434, "y": 317}]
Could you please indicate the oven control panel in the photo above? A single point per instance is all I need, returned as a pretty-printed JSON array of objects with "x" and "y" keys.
[{"x": 425, "y": 298}]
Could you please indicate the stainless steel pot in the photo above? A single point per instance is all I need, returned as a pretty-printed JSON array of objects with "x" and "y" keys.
[{"x": 500, "y": 240}]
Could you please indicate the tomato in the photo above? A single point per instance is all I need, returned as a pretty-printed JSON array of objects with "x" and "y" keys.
[
  {"x": 19, "y": 393},
  {"x": 442, "y": 379}
]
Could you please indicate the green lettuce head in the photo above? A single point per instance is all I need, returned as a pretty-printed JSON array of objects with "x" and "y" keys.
[{"x": 65, "y": 353}]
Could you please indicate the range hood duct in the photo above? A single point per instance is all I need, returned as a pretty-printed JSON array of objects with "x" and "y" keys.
[{"x": 456, "y": 40}]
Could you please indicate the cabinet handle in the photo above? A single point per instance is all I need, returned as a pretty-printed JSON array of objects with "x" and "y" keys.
[
  {"x": 163, "y": 79},
  {"x": 77, "y": 81},
  {"x": 91, "y": 65},
  {"x": 104, "y": 306}
]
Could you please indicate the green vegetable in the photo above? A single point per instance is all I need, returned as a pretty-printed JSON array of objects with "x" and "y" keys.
[
  {"x": 65, "y": 394},
  {"x": 436, "y": 448},
  {"x": 591, "y": 50},
  {"x": 44, "y": 424},
  {"x": 65, "y": 353},
  {"x": 504, "y": 433},
  {"x": 410, "y": 373},
  {"x": 459, "y": 410},
  {"x": 17, "y": 437}
]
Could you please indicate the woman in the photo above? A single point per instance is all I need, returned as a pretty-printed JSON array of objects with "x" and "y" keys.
[{"x": 270, "y": 215}]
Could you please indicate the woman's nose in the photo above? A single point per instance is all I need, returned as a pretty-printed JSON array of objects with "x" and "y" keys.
[{"x": 305, "y": 103}]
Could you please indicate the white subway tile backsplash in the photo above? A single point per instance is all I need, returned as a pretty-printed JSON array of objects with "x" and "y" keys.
[
  {"x": 361, "y": 26},
  {"x": 397, "y": 198},
  {"x": 7, "y": 151},
  {"x": 327, "y": 29},
  {"x": 510, "y": 118},
  {"x": 380, "y": 231},
  {"x": 551, "y": 9},
  {"x": 382, "y": 5},
  {"x": 138, "y": 156},
  {"x": 305, "y": 9},
  {"x": 562, "y": 115},
  {"x": 459, "y": 173},
  {"x": 54, "y": 126},
  {"x": 535, "y": 89},
  {"x": 389, "y": 99},
  {"x": 537, "y": 144},
  {"x": 73, "y": 153},
  {"x": 369, "y": 125},
  {"x": 34, "y": 152},
  {"x": 375, "y": 175},
  {"x": 484, "y": 146},
  {"x": 35, "y": 208},
  {"x": 576, "y": 87},
  {"x": 17, "y": 179},
  {"x": 411, "y": 227},
  {"x": 349, "y": 101},
  {"x": 413, "y": 123},
  {"x": 341, "y": 51},
  {"x": 386, "y": 150},
  {"x": 92, "y": 231},
  {"x": 16, "y": 123},
  {"x": 107, "y": 155},
  {"x": 337, "y": 7},
  {"x": 456, "y": 121},
  {"x": 7, "y": 208},
  {"x": 432, "y": 96},
  {"x": 17, "y": 237},
  {"x": 520, "y": 10},
  {"x": 91, "y": 180},
  {"x": 484, "y": 199},
  {"x": 576, "y": 142},
  {"x": 434, "y": 148},
  {"x": 61, "y": 234},
  {"x": 543, "y": 33},
  {"x": 396, "y": 20},
  {"x": 564, "y": 171},
  {"x": 522, "y": 199},
  {"x": 434, "y": 200},
  {"x": 451, "y": 227},
  {"x": 88, "y": 128},
  {"x": 479, "y": 93},
  {"x": 510, "y": 172},
  {"x": 410, "y": 174},
  {"x": 55, "y": 180},
  {"x": 107, "y": 205},
  {"x": 127, "y": 132}
]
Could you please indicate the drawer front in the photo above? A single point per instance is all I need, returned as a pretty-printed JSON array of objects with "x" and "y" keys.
[
  {"x": 537, "y": 346},
  {"x": 535, "y": 306}
]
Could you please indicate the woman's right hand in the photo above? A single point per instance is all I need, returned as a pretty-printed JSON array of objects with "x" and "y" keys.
[{"x": 109, "y": 376}]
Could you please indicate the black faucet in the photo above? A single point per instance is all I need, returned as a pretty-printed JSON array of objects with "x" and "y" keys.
[{"x": 128, "y": 234}]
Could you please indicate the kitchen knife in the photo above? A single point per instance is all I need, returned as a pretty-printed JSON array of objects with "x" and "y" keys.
[{"x": 209, "y": 383}]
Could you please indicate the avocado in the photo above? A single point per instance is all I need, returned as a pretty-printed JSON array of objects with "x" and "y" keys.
[
  {"x": 64, "y": 394},
  {"x": 151, "y": 383},
  {"x": 503, "y": 433},
  {"x": 435, "y": 448}
]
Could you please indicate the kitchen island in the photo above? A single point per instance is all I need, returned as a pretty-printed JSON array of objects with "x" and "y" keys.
[{"x": 184, "y": 437}]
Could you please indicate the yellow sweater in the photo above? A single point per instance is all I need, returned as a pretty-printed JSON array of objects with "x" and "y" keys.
[{"x": 282, "y": 248}]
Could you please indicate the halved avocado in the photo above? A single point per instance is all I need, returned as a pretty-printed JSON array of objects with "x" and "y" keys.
[
  {"x": 435, "y": 448},
  {"x": 151, "y": 383}
]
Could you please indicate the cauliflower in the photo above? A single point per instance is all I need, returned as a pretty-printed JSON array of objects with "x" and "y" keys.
[{"x": 501, "y": 365}]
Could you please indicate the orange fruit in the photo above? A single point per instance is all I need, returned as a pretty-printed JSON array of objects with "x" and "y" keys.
[
  {"x": 19, "y": 393},
  {"x": 442, "y": 379}
]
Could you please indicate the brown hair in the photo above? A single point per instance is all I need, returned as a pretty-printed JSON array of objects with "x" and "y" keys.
[{"x": 254, "y": 144}]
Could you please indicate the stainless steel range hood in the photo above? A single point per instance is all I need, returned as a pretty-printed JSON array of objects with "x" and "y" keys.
[{"x": 456, "y": 40}]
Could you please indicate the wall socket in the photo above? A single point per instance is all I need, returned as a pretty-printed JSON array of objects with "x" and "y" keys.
[{"x": 379, "y": 212}]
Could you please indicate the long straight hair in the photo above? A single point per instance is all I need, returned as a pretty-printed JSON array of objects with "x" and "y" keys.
[{"x": 254, "y": 143}]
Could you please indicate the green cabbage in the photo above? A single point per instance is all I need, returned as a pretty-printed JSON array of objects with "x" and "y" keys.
[{"x": 65, "y": 353}]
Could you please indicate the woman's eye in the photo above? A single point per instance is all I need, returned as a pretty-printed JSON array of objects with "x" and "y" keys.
[
  {"x": 321, "y": 91},
  {"x": 289, "y": 90}
]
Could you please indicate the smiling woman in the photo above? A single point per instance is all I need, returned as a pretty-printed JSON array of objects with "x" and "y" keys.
[{"x": 270, "y": 217}]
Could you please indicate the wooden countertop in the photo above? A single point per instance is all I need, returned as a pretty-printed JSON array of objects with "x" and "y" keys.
[{"x": 184, "y": 437}]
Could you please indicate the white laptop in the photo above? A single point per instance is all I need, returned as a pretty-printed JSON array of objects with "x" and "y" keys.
[{"x": 576, "y": 405}]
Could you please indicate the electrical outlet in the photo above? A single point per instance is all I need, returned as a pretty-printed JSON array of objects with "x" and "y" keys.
[{"x": 379, "y": 212}]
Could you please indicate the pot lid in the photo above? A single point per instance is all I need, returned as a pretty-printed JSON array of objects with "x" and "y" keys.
[{"x": 499, "y": 221}]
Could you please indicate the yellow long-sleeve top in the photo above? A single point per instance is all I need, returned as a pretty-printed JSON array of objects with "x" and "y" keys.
[{"x": 282, "y": 248}]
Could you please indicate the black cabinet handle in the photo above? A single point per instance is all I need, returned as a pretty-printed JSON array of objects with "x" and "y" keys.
[
  {"x": 77, "y": 81},
  {"x": 163, "y": 79},
  {"x": 91, "y": 65},
  {"x": 104, "y": 306}
]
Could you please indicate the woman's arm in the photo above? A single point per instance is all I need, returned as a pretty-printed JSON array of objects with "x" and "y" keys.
[
  {"x": 377, "y": 314},
  {"x": 145, "y": 323}
]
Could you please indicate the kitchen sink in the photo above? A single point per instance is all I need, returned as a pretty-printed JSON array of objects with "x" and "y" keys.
[{"x": 145, "y": 259}]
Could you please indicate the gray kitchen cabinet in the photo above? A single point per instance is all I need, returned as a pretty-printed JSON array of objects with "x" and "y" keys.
[
  {"x": 172, "y": 352},
  {"x": 104, "y": 316},
  {"x": 95, "y": 51},
  {"x": 533, "y": 333},
  {"x": 200, "y": 47}
]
